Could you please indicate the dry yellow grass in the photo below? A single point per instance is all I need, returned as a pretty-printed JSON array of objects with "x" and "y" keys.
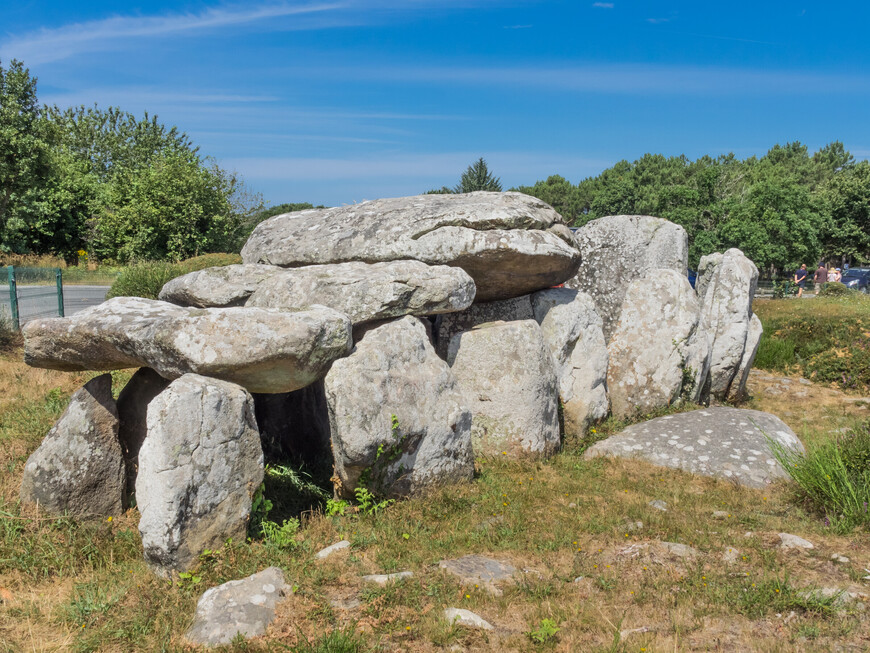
[{"x": 84, "y": 587}]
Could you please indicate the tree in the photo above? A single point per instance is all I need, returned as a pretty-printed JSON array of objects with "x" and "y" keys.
[
  {"x": 559, "y": 193},
  {"x": 24, "y": 153},
  {"x": 477, "y": 177},
  {"x": 847, "y": 201}
]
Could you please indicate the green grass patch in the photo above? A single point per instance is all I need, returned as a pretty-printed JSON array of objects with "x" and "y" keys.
[{"x": 147, "y": 278}]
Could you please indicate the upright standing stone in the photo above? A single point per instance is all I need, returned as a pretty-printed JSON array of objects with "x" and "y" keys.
[
  {"x": 658, "y": 352},
  {"x": 503, "y": 310},
  {"x": 133, "y": 404},
  {"x": 618, "y": 249},
  {"x": 726, "y": 287},
  {"x": 198, "y": 470},
  {"x": 508, "y": 377},
  {"x": 753, "y": 339},
  {"x": 573, "y": 331},
  {"x": 79, "y": 467},
  {"x": 397, "y": 416}
]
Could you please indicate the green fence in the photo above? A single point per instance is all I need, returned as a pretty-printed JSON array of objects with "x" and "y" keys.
[{"x": 33, "y": 293}]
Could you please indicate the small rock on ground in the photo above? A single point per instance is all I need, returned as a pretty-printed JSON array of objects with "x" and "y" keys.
[
  {"x": 243, "y": 607},
  {"x": 332, "y": 548},
  {"x": 383, "y": 579},
  {"x": 840, "y": 558},
  {"x": 658, "y": 504},
  {"x": 789, "y": 541},
  {"x": 466, "y": 618},
  {"x": 730, "y": 556},
  {"x": 679, "y": 550},
  {"x": 477, "y": 568},
  {"x": 720, "y": 514}
]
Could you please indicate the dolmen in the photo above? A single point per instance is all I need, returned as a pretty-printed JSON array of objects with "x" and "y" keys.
[{"x": 393, "y": 341}]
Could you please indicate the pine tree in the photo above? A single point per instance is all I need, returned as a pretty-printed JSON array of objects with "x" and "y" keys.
[{"x": 477, "y": 177}]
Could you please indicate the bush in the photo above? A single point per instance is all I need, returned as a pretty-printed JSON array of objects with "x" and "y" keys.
[
  {"x": 833, "y": 478},
  {"x": 834, "y": 289},
  {"x": 146, "y": 279},
  {"x": 9, "y": 337}
]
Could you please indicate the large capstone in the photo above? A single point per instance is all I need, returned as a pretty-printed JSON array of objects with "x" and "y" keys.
[
  {"x": 726, "y": 287},
  {"x": 617, "y": 250},
  {"x": 79, "y": 467},
  {"x": 221, "y": 286},
  {"x": 573, "y": 331},
  {"x": 199, "y": 467},
  {"x": 658, "y": 353},
  {"x": 264, "y": 350},
  {"x": 508, "y": 377},
  {"x": 398, "y": 419},
  {"x": 509, "y": 243},
  {"x": 369, "y": 291},
  {"x": 728, "y": 443}
]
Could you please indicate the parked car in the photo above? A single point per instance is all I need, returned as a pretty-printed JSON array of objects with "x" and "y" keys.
[{"x": 857, "y": 279}]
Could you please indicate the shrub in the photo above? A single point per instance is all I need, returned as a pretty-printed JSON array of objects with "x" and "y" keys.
[
  {"x": 833, "y": 478},
  {"x": 8, "y": 335},
  {"x": 147, "y": 278},
  {"x": 834, "y": 289}
]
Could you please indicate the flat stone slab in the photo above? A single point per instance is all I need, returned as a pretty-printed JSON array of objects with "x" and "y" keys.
[
  {"x": 332, "y": 548},
  {"x": 244, "y": 607},
  {"x": 789, "y": 541},
  {"x": 460, "y": 617},
  {"x": 383, "y": 579},
  {"x": 478, "y": 569},
  {"x": 263, "y": 350},
  {"x": 511, "y": 244},
  {"x": 722, "y": 442},
  {"x": 225, "y": 285}
]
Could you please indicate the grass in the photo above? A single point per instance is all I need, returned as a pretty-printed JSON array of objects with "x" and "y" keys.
[
  {"x": 826, "y": 338},
  {"x": 85, "y": 587}
]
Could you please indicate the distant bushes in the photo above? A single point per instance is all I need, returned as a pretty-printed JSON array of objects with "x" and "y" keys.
[
  {"x": 833, "y": 478},
  {"x": 147, "y": 278},
  {"x": 826, "y": 339},
  {"x": 834, "y": 289}
]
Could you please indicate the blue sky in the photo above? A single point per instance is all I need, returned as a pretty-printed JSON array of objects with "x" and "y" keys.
[{"x": 337, "y": 101}]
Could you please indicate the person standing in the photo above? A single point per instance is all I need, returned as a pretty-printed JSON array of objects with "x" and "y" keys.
[
  {"x": 820, "y": 278},
  {"x": 800, "y": 279}
]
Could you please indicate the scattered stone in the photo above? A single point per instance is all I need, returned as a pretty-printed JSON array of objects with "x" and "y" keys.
[
  {"x": 133, "y": 404},
  {"x": 198, "y": 470},
  {"x": 730, "y": 556},
  {"x": 509, "y": 243},
  {"x": 618, "y": 249},
  {"x": 720, "y": 514},
  {"x": 749, "y": 534},
  {"x": 789, "y": 541},
  {"x": 345, "y": 604},
  {"x": 658, "y": 352},
  {"x": 79, "y": 467},
  {"x": 508, "y": 379},
  {"x": 243, "y": 607},
  {"x": 383, "y": 579},
  {"x": 332, "y": 548},
  {"x": 836, "y": 557},
  {"x": 572, "y": 505},
  {"x": 217, "y": 287},
  {"x": 633, "y": 631},
  {"x": 573, "y": 331},
  {"x": 842, "y": 598},
  {"x": 366, "y": 292},
  {"x": 460, "y": 617},
  {"x": 396, "y": 409},
  {"x": 658, "y": 504},
  {"x": 679, "y": 550},
  {"x": 263, "y": 350},
  {"x": 632, "y": 525},
  {"x": 492, "y": 521},
  {"x": 477, "y": 569},
  {"x": 804, "y": 381},
  {"x": 579, "y": 579},
  {"x": 726, "y": 286},
  {"x": 729, "y": 443}
]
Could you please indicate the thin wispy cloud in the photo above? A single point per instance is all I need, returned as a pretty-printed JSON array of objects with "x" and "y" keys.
[
  {"x": 603, "y": 5},
  {"x": 657, "y": 21},
  {"x": 518, "y": 26}
]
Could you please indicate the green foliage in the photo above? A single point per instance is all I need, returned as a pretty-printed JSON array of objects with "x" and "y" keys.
[
  {"x": 833, "y": 478},
  {"x": 368, "y": 502},
  {"x": 477, "y": 177},
  {"x": 281, "y": 536},
  {"x": 834, "y": 289},
  {"x": 336, "y": 507},
  {"x": 260, "y": 509},
  {"x": 545, "y": 632},
  {"x": 345, "y": 640},
  {"x": 147, "y": 278}
]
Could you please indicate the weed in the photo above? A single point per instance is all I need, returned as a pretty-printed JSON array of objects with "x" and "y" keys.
[
  {"x": 336, "y": 507},
  {"x": 368, "y": 502},
  {"x": 545, "y": 632},
  {"x": 337, "y": 641},
  {"x": 280, "y": 537}
]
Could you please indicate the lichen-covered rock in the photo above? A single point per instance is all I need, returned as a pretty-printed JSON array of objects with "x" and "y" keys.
[
  {"x": 264, "y": 350},
  {"x": 726, "y": 287},
  {"x": 369, "y": 291},
  {"x": 221, "y": 286},
  {"x": 199, "y": 467},
  {"x": 508, "y": 377},
  {"x": 753, "y": 338},
  {"x": 79, "y": 467},
  {"x": 133, "y": 403},
  {"x": 240, "y": 607},
  {"x": 728, "y": 443},
  {"x": 504, "y": 310},
  {"x": 573, "y": 331},
  {"x": 509, "y": 243},
  {"x": 618, "y": 249},
  {"x": 658, "y": 352},
  {"x": 394, "y": 371}
]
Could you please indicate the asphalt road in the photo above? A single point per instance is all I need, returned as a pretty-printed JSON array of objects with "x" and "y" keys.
[{"x": 41, "y": 301}]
